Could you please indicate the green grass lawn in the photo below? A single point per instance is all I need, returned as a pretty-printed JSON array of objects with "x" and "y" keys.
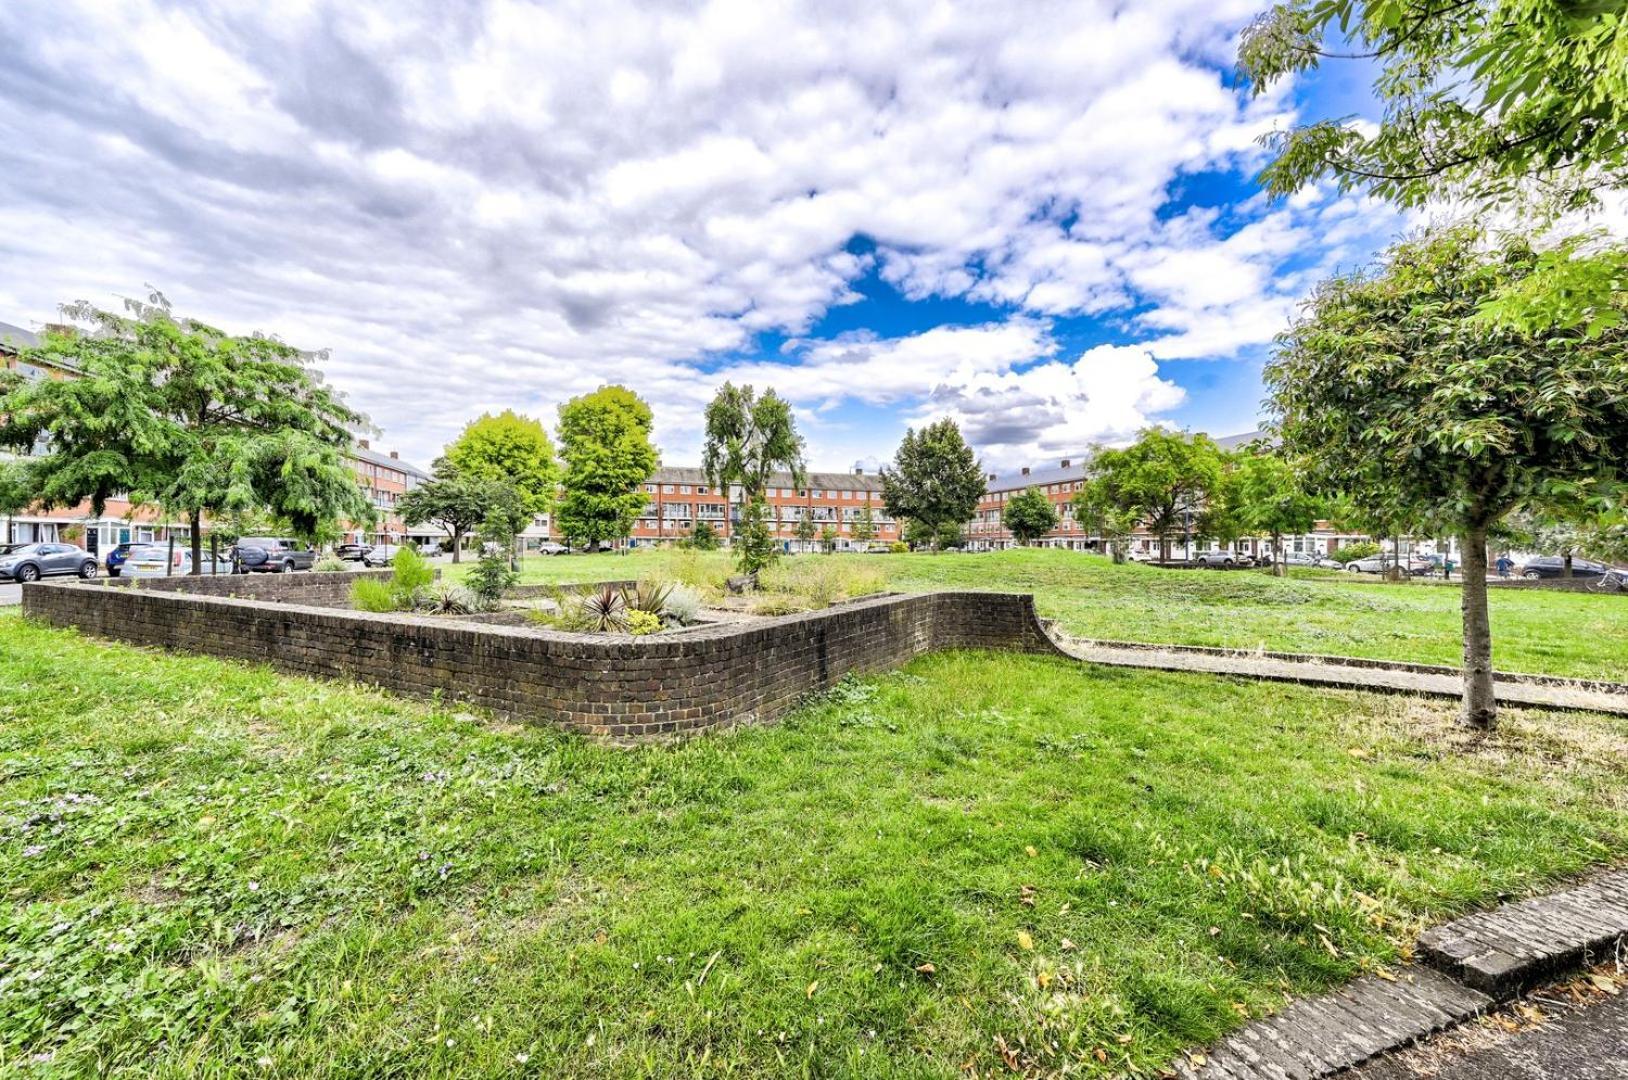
[
  {"x": 211, "y": 869},
  {"x": 1578, "y": 634}
]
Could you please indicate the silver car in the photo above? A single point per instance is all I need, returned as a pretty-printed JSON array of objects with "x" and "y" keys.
[
  {"x": 30, "y": 562},
  {"x": 147, "y": 561}
]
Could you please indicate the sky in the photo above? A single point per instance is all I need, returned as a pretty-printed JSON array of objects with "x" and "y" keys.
[{"x": 1039, "y": 219}]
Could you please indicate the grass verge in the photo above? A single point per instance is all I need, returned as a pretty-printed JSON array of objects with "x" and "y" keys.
[{"x": 982, "y": 860}]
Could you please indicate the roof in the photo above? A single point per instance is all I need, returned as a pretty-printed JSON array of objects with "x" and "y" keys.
[
  {"x": 13, "y": 338},
  {"x": 363, "y": 453},
  {"x": 823, "y": 481},
  {"x": 1233, "y": 442},
  {"x": 1039, "y": 477}
]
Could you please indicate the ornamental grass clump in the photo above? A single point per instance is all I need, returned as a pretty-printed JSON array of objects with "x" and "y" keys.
[{"x": 410, "y": 578}]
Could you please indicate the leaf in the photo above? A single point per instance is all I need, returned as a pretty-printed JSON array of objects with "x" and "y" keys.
[
  {"x": 1025, "y": 941},
  {"x": 1029, "y": 848},
  {"x": 927, "y": 968},
  {"x": 813, "y": 986}
]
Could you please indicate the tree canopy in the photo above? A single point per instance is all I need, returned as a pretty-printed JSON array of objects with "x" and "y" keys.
[
  {"x": 1162, "y": 481},
  {"x": 512, "y": 448},
  {"x": 935, "y": 479},
  {"x": 452, "y": 500},
  {"x": 173, "y": 411},
  {"x": 1483, "y": 101},
  {"x": 1392, "y": 391},
  {"x": 1029, "y": 515},
  {"x": 748, "y": 438},
  {"x": 1271, "y": 501},
  {"x": 605, "y": 442}
]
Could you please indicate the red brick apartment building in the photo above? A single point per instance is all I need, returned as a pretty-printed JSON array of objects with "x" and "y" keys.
[
  {"x": 679, "y": 498},
  {"x": 384, "y": 477}
]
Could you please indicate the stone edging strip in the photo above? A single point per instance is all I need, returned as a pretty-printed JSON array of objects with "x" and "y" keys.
[
  {"x": 1341, "y": 676},
  {"x": 1473, "y": 963},
  {"x": 1602, "y": 686}
]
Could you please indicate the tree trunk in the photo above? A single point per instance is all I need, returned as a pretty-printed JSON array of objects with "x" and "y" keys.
[
  {"x": 1164, "y": 549},
  {"x": 1280, "y": 558},
  {"x": 196, "y": 529},
  {"x": 1480, "y": 707},
  {"x": 457, "y": 545},
  {"x": 1565, "y": 567}
]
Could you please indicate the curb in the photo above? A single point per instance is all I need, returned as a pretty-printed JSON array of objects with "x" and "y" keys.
[{"x": 1470, "y": 964}]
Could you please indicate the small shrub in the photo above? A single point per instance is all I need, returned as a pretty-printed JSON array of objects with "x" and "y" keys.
[
  {"x": 899, "y": 547},
  {"x": 777, "y": 604},
  {"x": 683, "y": 605},
  {"x": 648, "y": 595},
  {"x": 329, "y": 564},
  {"x": 704, "y": 538},
  {"x": 1352, "y": 552},
  {"x": 447, "y": 599},
  {"x": 643, "y": 622},
  {"x": 491, "y": 578},
  {"x": 371, "y": 594},
  {"x": 604, "y": 609},
  {"x": 412, "y": 573}
]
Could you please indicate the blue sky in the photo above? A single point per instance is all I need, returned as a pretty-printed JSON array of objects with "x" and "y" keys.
[{"x": 1038, "y": 219}]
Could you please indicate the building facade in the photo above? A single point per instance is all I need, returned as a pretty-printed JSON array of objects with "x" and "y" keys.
[{"x": 679, "y": 498}]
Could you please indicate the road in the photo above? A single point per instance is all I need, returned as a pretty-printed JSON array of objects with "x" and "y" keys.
[{"x": 10, "y": 594}]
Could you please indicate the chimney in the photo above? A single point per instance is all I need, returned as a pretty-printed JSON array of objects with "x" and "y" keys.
[
  {"x": 859, "y": 470},
  {"x": 992, "y": 478},
  {"x": 363, "y": 444},
  {"x": 395, "y": 455},
  {"x": 1067, "y": 463},
  {"x": 1025, "y": 470}
]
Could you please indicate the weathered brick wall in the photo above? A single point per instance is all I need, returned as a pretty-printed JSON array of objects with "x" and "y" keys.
[
  {"x": 620, "y": 687},
  {"x": 302, "y": 587}
]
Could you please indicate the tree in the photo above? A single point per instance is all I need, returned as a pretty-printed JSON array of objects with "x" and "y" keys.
[
  {"x": 455, "y": 502},
  {"x": 1485, "y": 103},
  {"x": 1271, "y": 501},
  {"x": 703, "y": 537},
  {"x": 505, "y": 517},
  {"x": 805, "y": 529},
  {"x": 1162, "y": 481},
  {"x": 15, "y": 492},
  {"x": 1029, "y": 515},
  {"x": 748, "y": 438},
  {"x": 605, "y": 441},
  {"x": 828, "y": 538},
  {"x": 1391, "y": 390},
  {"x": 865, "y": 526},
  {"x": 935, "y": 478},
  {"x": 1098, "y": 513},
  {"x": 173, "y": 411},
  {"x": 511, "y": 448}
]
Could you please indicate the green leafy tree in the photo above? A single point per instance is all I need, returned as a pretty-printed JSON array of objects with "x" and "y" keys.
[
  {"x": 865, "y": 526},
  {"x": 506, "y": 515},
  {"x": 1162, "y": 481},
  {"x": 512, "y": 448},
  {"x": 949, "y": 536},
  {"x": 828, "y": 538},
  {"x": 805, "y": 529},
  {"x": 605, "y": 441},
  {"x": 748, "y": 438},
  {"x": 1272, "y": 502},
  {"x": 173, "y": 411},
  {"x": 16, "y": 493},
  {"x": 1029, "y": 515},
  {"x": 452, "y": 501},
  {"x": 704, "y": 537},
  {"x": 1103, "y": 518},
  {"x": 1485, "y": 103},
  {"x": 1391, "y": 390},
  {"x": 935, "y": 479}
]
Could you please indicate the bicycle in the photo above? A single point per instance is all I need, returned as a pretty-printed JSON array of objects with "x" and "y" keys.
[{"x": 1611, "y": 581}]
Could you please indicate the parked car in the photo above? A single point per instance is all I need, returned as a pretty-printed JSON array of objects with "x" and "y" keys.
[
  {"x": 381, "y": 555},
  {"x": 116, "y": 557},
  {"x": 1379, "y": 564},
  {"x": 147, "y": 561},
  {"x": 273, "y": 555},
  {"x": 1225, "y": 560},
  {"x": 549, "y": 547},
  {"x": 30, "y": 562},
  {"x": 1310, "y": 560},
  {"x": 1553, "y": 566},
  {"x": 352, "y": 552}
]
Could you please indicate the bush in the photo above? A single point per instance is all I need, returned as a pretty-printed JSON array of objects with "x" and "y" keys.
[
  {"x": 704, "y": 537},
  {"x": 683, "y": 605},
  {"x": 643, "y": 622},
  {"x": 491, "y": 578},
  {"x": 371, "y": 594},
  {"x": 899, "y": 547},
  {"x": 412, "y": 573},
  {"x": 777, "y": 604},
  {"x": 648, "y": 596},
  {"x": 1352, "y": 552},
  {"x": 329, "y": 564}
]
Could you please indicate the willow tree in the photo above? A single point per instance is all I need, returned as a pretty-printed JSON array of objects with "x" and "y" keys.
[
  {"x": 173, "y": 411},
  {"x": 1394, "y": 390},
  {"x": 748, "y": 439}
]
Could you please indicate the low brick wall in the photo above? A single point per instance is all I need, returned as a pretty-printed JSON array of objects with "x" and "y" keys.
[
  {"x": 327, "y": 589},
  {"x": 620, "y": 687}
]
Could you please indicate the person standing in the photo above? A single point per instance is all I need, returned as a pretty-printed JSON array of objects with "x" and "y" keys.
[{"x": 1505, "y": 564}]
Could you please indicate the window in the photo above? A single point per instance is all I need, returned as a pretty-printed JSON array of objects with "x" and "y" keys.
[
  {"x": 666, "y": 489},
  {"x": 683, "y": 489}
]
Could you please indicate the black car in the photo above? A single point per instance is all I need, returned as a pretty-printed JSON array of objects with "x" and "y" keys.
[
  {"x": 272, "y": 555},
  {"x": 352, "y": 552},
  {"x": 30, "y": 562},
  {"x": 1553, "y": 566}
]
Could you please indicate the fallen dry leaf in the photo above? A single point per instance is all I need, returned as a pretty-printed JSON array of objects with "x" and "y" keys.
[
  {"x": 1025, "y": 942},
  {"x": 927, "y": 968}
]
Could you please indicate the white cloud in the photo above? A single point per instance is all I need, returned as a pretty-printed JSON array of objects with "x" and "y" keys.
[{"x": 508, "y": 203}]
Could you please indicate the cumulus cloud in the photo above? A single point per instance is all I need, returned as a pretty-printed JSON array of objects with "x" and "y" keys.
[{"x": 507, "y": 203}]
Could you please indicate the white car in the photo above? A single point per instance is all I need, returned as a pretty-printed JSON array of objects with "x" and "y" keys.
[
  {"x": 381, "y": 555},
  {"x": 147, "y": 561}
]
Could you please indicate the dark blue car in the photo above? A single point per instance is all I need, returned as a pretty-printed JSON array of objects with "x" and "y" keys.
[{"x": 116, "y": 558}]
